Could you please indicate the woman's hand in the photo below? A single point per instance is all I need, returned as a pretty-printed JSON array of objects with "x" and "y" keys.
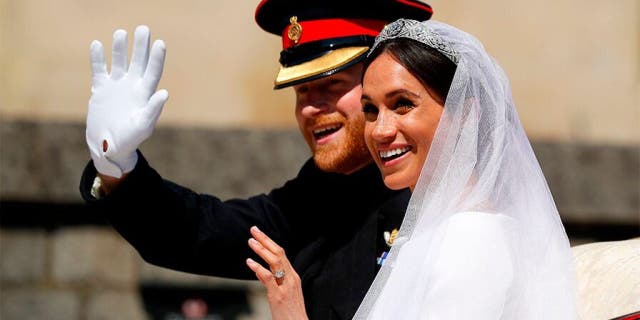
[{"x": 284, "y": 289}]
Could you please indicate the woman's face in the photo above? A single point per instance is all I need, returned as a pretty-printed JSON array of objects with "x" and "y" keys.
[{"x": 401, "y": 120}]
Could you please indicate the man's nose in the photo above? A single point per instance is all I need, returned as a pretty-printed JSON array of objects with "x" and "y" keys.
[{"x": 312, "y": 110}]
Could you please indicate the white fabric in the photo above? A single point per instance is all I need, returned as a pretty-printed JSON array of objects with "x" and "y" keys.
[
  {"x": 608, "y": 276},
  {"x": 124, "y": 105},
  {"x": 473, "y": 269},
  {"x": 480, "y": 162}
]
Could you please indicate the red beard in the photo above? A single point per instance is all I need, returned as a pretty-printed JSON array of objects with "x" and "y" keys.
[{"x": 346, "y": 154}]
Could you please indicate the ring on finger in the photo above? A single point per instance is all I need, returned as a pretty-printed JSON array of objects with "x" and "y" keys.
[{"x": 279, "y": 274}]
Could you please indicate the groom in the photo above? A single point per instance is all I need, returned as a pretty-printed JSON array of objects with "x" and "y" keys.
[{"x": 330, "y": 218}]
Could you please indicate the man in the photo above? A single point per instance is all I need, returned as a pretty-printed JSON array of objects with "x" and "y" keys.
[{"x": 330, "y": 219}]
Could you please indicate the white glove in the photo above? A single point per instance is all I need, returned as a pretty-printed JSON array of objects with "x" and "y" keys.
[{"x": 124, "y": 105}]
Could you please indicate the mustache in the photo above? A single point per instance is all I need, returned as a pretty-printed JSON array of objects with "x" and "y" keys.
[{"x": 325, "y": 120}]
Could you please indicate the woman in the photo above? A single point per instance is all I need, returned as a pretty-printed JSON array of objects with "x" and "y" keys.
[{"x": 482, "y": 238}]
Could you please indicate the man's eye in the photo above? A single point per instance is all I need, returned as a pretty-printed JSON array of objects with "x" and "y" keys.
[
  {"x": 335, "y": 85},
  {"x": 301, "y": 90}
]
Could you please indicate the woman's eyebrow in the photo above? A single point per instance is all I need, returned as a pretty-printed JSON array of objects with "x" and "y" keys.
[
  {"x": 401, "y": 91},
  {"x": 393, "y": 93}
]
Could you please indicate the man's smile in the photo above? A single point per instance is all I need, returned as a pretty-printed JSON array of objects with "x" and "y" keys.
[{"x": 322, "y": 133}]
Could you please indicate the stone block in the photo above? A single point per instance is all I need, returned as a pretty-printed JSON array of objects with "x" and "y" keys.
[
  {"x": 93, "y": 256},
  {"x": 227, "y": 163},
  {"x": 54, "y": 150},
  {"x": 258, "y": 304},
  {"x": 153, "y": 274},
  {"x": 593, "y": 184},
  {"x": 22, "y": 256},
  {"x": 35, "y": 303},
  {"x": 115, "y": 305}
]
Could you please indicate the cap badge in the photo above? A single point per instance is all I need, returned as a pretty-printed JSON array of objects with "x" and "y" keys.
[{"x": 295, "y": 30}]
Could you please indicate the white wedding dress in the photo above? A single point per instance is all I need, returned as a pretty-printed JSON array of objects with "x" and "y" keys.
[{"x": 473, "y": 268}]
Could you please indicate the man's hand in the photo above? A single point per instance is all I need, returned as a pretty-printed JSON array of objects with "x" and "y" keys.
[{"x": 124, "y": 105}]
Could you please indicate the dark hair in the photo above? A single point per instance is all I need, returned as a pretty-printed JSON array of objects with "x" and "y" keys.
[{"x": 433, "y": 69}]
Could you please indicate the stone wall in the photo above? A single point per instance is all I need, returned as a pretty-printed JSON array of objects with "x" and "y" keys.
[
  {"x": 84, "y": 273},
  {"x": 43, "y": 162},
  {"x": 90, "y": 273},
  {"x": 58, "y": 261}
]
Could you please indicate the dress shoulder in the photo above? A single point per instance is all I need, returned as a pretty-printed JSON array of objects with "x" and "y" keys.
[
  {"x": 474, "y": 268},
  {"x": 479, "y": 241}
]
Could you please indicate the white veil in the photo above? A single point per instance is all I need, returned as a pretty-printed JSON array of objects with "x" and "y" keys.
[{"x": 480, "y": 160}]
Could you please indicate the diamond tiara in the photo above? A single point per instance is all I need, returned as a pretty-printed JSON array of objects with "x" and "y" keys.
[{"x": 412, "y": 29}]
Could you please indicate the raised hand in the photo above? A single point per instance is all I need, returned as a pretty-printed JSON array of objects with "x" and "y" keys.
[
  {"x": 284, "y": 289},
  {"x": 124, "y": 105}
]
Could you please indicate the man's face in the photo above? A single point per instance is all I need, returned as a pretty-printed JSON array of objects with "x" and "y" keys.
[{"x": 330, "y": 118}]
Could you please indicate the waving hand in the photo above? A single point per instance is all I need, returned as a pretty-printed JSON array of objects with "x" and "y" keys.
[{"x": 124, "y": 105}]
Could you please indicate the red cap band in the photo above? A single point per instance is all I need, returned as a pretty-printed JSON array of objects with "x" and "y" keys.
[{"x": 315, "y": 30}]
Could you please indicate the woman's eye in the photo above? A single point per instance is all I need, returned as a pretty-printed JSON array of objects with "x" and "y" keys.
[
  {"x": 369, "y": 108},
  {"x": 403, "y": 106},
  {"x": 370, "y": 112}
]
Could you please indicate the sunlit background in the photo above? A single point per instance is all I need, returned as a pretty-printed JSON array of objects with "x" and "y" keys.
[{"x": 574, "y": 68}]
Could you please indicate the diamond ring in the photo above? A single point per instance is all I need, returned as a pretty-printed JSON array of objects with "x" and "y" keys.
[{"x": 279, "y": 274}]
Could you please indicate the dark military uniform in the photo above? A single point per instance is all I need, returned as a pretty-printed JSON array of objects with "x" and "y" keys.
[{"x": 327, "y": 224}]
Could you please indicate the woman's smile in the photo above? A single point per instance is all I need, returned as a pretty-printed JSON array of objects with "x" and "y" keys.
[{"x": 392, "y": 156}]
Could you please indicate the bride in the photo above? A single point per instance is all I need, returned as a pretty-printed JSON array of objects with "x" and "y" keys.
[{"x": 481, "y": 238}]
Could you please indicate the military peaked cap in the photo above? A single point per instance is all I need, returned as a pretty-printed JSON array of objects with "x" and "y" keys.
[{"x": 322, "y": 37}]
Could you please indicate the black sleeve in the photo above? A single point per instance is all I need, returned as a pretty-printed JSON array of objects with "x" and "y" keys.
[{"x": 174, "y": 227}]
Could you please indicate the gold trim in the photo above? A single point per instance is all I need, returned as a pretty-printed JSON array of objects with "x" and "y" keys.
[
  {"x": 392, "y": 237},
  {"x": 332, "y": 60},
  {"x": 295, "y": 30}
]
